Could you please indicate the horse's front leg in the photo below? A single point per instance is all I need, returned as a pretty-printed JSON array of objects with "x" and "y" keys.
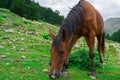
[
  {"x": 65, "y": 66},
  {"x": 64, "y": 69},
  {"x": 90, "y": 39}
]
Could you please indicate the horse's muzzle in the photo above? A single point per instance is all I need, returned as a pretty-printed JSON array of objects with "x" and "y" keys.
[{"x": 54, "y": 76}]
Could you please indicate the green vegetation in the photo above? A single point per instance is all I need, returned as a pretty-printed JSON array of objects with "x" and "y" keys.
[
  {"x": 80, "y": 58},
  {"x": 114, "y": 37},
  {"x": 107, "y": 36},
  {"x": 24, "y": 52},
  {"x": 32, "y": 10}
]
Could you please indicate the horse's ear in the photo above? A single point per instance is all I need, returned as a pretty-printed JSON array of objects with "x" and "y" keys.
[
  {"x": 63, "y": 35},
  {"x": 52, "y": 34}
]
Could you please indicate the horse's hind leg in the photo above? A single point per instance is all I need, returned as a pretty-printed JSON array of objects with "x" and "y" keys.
[
  {"x": 99, "y": 38},
  {"x": 90, "y": 42}
]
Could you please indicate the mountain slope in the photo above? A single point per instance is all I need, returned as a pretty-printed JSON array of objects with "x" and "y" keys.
[
  {"x": 112, "y": 25},
  {"x": 24, "y": 52},
  {"x": 24, "y": 47}
]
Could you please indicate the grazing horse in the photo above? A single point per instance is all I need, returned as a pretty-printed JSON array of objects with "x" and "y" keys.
[{"x": 82, "y": 20}]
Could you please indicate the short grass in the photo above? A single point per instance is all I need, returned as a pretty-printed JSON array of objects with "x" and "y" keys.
[{"x": 24, "y": 52}]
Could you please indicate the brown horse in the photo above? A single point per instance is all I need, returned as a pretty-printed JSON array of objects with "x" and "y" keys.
[{"x": 83, "y": 20}]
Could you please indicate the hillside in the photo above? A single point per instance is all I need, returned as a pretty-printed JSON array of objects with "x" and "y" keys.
[
  {"x": 24, "y": 52},
  {"x": 24, "y": 46},
  {"x": 31, "y": 9},
  {"x": 112, "y": 25}
]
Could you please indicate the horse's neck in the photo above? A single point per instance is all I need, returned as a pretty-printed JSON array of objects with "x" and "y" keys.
[{"x": 72, "y": 40}]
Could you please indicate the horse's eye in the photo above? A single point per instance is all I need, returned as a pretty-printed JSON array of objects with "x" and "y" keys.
[{"x": 61, "y": 52}]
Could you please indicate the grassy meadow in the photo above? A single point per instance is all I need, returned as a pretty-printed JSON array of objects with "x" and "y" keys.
[{"x": 24, "y": 52}]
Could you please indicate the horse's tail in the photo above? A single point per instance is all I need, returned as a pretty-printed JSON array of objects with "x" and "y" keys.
[{"x": 103, "y": 43}]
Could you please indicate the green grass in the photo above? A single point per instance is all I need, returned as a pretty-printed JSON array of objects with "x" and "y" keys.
[{"x": 30, "y": 39}]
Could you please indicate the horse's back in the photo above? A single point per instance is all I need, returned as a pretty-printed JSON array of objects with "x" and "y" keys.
[
  {"x": 92, "y": 19},
  {"x": 100, "y": 22}
]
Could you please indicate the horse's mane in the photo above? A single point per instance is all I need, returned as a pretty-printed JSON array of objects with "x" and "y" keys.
[
  {"x": 73, "y": 20},
  {"x": 71, "y": 24}
]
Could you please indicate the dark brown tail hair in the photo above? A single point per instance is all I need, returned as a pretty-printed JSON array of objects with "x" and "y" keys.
[{"x": 103, "y": 42}]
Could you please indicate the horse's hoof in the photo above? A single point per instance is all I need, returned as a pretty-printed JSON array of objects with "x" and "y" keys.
[{"x": 93, "y": 77}]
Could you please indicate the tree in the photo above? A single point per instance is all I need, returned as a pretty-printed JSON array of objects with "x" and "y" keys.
[
  {"x": 108, "y": 36},
  {"x": 18, "y": 6},
  {"x": 116, "y": 36},
  {"x": 56, "y": 11},
  {"x": 32, "y": 10},
  {"x": 5, "y": 3}
]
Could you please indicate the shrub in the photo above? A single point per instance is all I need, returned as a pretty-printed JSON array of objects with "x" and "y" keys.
[
  {"x": 81, "y": 59},
  {"x": 46, "y": 36},
  {"x": 27, "y": 22},
  {"x": 1, "y": 19}
]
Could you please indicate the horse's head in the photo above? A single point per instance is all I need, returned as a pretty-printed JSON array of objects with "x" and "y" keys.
[{"x": 58, "y": 50}]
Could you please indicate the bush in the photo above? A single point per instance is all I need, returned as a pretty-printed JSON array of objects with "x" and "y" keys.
[
  {"x": 27, "y": 22},
  {"x": 81, "y": 59},
  {"x": 1, "y": 19},
  {"x": 46, "y": 36}
]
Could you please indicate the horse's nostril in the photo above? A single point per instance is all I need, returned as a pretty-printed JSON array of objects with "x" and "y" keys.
[{"x": 56, "y": 74}]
